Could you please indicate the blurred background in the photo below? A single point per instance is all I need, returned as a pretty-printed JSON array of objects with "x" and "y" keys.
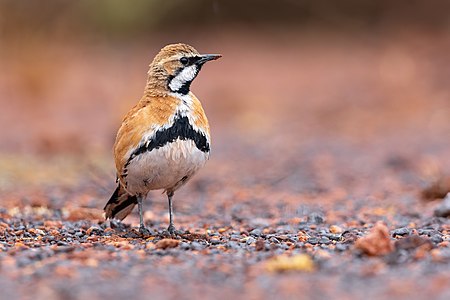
[{"x": 305, "y": 87}]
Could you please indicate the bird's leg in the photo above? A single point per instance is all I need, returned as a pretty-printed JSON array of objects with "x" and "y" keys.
[
  {"x": 171, "y": 228},
  {"x": 142, "y": 229}
]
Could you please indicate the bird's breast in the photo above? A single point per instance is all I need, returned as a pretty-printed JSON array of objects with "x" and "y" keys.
[
  {"x": 181, "y": 128},
  {"x": 165, "y": 167}
]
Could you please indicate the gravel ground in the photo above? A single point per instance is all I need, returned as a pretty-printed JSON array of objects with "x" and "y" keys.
[
  {"x": 237, "y": 241},
  {"x": 337, "y": 190}
]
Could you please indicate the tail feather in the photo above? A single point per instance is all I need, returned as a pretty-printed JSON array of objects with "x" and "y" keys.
[{"x": 120, "y": 204}]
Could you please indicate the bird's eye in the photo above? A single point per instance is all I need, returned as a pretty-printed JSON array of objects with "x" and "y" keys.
[{"x": 184, "y": 60}]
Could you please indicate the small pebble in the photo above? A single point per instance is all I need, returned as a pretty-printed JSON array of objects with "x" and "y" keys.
[
  {"x": 274, "y": 240},
  {"x": 259, "y": 245},
  {"x": 250, "y": 240},
  {"x": 313, "y": 240},
  {"x": 341, "y": 247},
  {"x": 335, "y": 229},
  {"x": 443, "y": 210},
  {"x": 324, "y": 240},
  {"x": 315, "y": 218},
  {"x": 185, "y": 246},
  {"x": 401, "y": 231},
  {"x": 436, "y": 238},
  {"x": 232, "y": 245},
  {"x": 215, "y": 241},
  {"x": 256, "y": 232}
]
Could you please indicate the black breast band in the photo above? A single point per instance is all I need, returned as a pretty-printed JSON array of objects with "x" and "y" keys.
[{"x": 181, "y": 129}]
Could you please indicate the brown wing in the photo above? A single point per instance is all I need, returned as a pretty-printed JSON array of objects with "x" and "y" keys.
[{"x": 149, "y": 112}]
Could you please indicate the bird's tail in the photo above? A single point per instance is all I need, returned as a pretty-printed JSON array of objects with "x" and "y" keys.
[{"x": 120, "y": 204}]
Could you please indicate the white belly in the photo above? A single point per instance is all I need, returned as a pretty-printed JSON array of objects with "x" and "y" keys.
[{"x": 167, "y": 167}]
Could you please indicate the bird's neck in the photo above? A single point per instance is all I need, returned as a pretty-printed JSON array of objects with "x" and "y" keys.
[
  {"x": 182, "y": 102},
  {"x": 156, "y": 83},
  {"x": 155, "y": 88}
]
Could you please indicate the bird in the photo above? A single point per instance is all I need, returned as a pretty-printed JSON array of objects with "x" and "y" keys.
[{"x": 165, "y": 138}]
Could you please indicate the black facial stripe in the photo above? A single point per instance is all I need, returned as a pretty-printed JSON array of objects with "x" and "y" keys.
[
  {"x": 193, "y": 60},
  {"x": 169, "y": 79},
  {"x": 181, "y": 129},
  {"x": 185, "y": 88},
  {"x": 189, "y": 60}
]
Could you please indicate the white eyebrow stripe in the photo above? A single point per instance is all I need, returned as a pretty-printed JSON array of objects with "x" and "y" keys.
[{"x": 186, "y": 75}]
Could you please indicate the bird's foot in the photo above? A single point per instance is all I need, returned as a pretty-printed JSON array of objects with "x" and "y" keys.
[
  {"x": 172, "y": 232},
  {"x": 171, "y": 229},
  {"x": 144, "y": 231}
]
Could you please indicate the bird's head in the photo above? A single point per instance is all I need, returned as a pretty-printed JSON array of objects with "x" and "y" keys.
[{"x": 175, "y": 67}]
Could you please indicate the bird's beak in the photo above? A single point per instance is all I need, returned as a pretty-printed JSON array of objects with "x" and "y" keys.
[{"x": 207, "y": 57}]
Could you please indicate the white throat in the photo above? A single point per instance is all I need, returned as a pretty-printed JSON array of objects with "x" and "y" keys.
[{"x": 186, "y": 75}]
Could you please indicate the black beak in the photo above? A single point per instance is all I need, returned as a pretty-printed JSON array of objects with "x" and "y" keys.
[{"x": 207, "y": 57}]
